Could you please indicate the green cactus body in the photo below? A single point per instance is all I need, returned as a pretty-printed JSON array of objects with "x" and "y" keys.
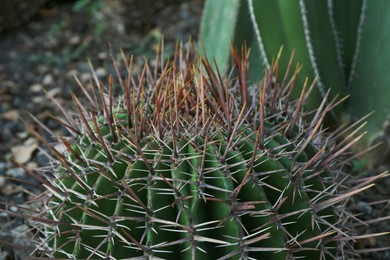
[{"x": 193, "y": 169}]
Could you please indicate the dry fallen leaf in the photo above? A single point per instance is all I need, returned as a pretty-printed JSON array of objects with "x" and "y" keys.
[
  {"x": 22, "y": 153},
  {"x": 11, "y": 115},
  {"x": 11, "y": 189}
]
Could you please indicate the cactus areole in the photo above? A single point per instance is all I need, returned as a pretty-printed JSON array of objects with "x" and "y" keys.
[{"x": 190, "y": 164}]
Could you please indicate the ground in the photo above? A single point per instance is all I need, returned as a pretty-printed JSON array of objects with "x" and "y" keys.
[{"x": 40, "y": 58}]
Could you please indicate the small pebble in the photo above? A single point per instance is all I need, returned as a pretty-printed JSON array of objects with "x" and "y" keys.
[
  {"x": 42, "y": 69},
  {"x": 38, "y": 100},
  {"x": 22, "y": 135},
  {"x": 15, "y": 173},
  {"x": 54, "y": 92},
  {"x": 36, "y": 88},
  {"x": 52, "y": 43},
  {"x": 2, "y": 167},
  {"x": 30, "y": 141},
  {"x": 85, "y": 77},
  {"x": 42, "y": 159},
  {"x": 11, "y": 115},
  {"x": 102, "y": 55},
  {"x": 72, "y": 73},
  {"x": 48, "y": 80},
  {"x": 101, "y": 72},
  {"x": 23, "y": 153},
  {"x": 2, "y": 181},
  {"x": 364, "y": 207},
  {"x": 74, "y": 40},
  {"x": 18, "y": 101},
  {"x": 3, "y": 215},
  {"x": 32, "y": 165}
]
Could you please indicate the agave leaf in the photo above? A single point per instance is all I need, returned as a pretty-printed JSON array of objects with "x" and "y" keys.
[
  {"x": 268, "y": 25},
  {"x": 218, "y": 37},
  {"x": 370, "y": 79},
  {"x": 343, "y": 43},
  {"x": 306, "y": 27},
  {"x": 346, "y": 15},
  {"x": 323, "y": 44}
]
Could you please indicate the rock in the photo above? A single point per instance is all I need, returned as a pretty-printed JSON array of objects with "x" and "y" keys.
[
  {"x": 32, "y": 165},
  {"x": 15, "y": 173},
  {"x": 75, "y": 40},
  {"x": 364, "y": 207},
  {"x": 23, "y": 237},
  {"x": 54, "y": 92},
  {"x": 102, "y": 56},
  {"x": 38, "y": 100},
  {"x": 2, "y": 167},
  {"x": 85, "y": 77},
  {"x": 36, "y": 88},
  {"x": 48, "y": 80},
  {"x": 101, "y": 72},
  {"x": 22, "y": 135},
  {"x": 12, "y": 115},
  {"x": 72, "y": 73},
  {"x": 2, "y": 183}
]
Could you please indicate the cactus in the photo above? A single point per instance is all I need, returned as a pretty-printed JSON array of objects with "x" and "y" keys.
[
  {"x": 340, "y": 42},
  {"x": 189, "y": 164}
]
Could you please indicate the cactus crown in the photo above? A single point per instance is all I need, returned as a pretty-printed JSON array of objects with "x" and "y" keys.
[{"x": 190, "y": 164}]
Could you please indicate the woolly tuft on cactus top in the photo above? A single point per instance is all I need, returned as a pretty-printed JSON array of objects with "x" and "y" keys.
[{"x": 190, "y": 164}]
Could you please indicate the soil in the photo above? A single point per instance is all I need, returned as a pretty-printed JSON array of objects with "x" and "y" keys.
[{"x": 39, "y": 59}]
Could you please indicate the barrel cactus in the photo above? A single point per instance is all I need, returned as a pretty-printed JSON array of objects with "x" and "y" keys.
[{"x": 190, "y": 164}]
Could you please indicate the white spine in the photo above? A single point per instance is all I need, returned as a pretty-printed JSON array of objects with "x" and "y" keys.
[
  {"x": 309, "y": 46},
  {"x": 337, "y": 40},
  {"x": 358, "y": 41},
  {"x": 257, "y": 32}
]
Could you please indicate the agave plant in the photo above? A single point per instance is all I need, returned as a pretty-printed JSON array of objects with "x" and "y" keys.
[
  {"x": 190, "y": 164},
  {"x": 340, "y": 42}
]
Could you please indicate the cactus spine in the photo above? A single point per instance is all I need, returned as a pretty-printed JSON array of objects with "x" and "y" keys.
[{"x": 188, "y": 164}]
